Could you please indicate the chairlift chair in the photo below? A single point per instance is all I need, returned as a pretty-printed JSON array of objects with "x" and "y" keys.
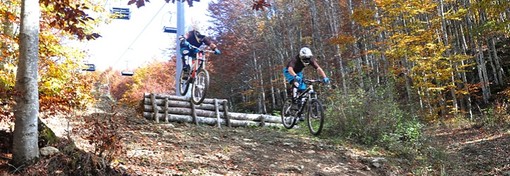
[
  {"x": 89, "y": 67},
  {"x": 167, "y": 29},
  {"x": 127, "y": 73},
  {"x": 121, "y": 13}
]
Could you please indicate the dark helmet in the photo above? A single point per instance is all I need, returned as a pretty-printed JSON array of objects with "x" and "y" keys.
[{"x": 198, "y": 35}]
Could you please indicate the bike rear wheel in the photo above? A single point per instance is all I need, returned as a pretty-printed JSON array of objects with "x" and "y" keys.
[
  {"x": 315, "y": 117},
  {"x": 288, "y": 114},
  {"x": 183, "y": 83},
  {"x": 200, "y": 87}
]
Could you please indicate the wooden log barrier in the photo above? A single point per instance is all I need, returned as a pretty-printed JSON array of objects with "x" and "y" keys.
[
  {"x": 230, "y": 115},
  {"x": 174, "y": 108},
  {"x": 181, "y": 98},
  {"x": 175, "y": 103},
  {"x": 210, "y": 121}
]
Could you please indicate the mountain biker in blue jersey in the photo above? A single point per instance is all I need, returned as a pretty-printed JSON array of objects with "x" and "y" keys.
[
  {"x": 293, "y": 72},
  {"x": 190, "y": 43}
]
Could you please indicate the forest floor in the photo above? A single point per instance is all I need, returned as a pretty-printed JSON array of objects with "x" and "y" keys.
[{"x": 147, "y": 148}]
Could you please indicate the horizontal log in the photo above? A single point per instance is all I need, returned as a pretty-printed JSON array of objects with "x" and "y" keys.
[
  {"x": 187, "y": 111},
  {"x": 209, "y": 121},
  {"x": 181, "y": 98},
  {"x": 184, "y": 104},
  {"x": 254, "y": 117},
  {"x": 231, "y": 115}
]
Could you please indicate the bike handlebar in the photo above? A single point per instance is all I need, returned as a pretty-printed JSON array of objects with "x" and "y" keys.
[
  {"x": 313, "y": 81},
  {"x": 318, "y": 81},
  {"x": 181, "y": 38}
]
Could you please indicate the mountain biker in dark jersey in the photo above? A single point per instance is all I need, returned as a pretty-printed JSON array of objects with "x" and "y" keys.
[
  {"x": 189, "y": 44},
  {"x": 293, "y": 72}
]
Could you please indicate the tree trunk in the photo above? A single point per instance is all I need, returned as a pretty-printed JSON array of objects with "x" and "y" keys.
[
  {"x": 262, "y": 95},
  {"x": 482, "y": 72},
  {"x": 26, "y": 110},
  {"x": 497, "y": 62},
  {"x": 356, "y": 49},
  {"x": 271, "y": 85}
]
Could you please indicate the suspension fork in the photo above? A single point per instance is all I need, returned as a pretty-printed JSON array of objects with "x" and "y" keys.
[
  {"x": 200, "y": 61},
  {"x": 197, "y": 64}
]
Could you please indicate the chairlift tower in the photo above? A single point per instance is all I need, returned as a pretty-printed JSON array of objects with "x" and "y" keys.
[{"x": 180, "y": 31}]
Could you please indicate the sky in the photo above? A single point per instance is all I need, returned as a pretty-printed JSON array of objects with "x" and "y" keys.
[{"x": 128, "y": 44}]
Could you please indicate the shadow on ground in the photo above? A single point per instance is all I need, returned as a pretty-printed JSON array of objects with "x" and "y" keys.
[{"x": 476, "y": 151}]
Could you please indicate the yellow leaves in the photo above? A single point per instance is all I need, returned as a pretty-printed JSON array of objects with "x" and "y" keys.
[
  {"x": 439, "y": 89},
  {"x": 343, "y": 40},
  {"x": 458, "y": 15},
  {"x": 9, "y": 67},
  {"x": 261, "y": 25},
  {"x": 8, "y": 75}
]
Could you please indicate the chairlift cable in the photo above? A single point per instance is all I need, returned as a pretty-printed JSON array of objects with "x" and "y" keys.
[{"x": 139, "y": 34}]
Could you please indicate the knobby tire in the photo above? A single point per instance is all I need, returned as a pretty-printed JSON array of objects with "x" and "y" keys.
[
  {"x": 183, "y": 84},
  {"x": 288, "y": 115},
  {"x": 315, "y": 117},
  {"x": 200, "y": 87}
]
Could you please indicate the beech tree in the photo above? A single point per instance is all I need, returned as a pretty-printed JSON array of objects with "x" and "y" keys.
[
  {"x": 69, "y": 19},
  {"x": 26, "y": 110}
]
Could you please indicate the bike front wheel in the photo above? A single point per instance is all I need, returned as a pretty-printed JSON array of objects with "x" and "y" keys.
[
  {"x": 183, "y": 83},
  {"x": 288, "y": 114},
  {"x": 315, "y": 117},
  {"x": 200, "y": 87}
]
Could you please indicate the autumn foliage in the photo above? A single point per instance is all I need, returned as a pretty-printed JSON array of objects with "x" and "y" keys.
[
  {"x": 155, "y": 77},
  {"x": 62, "y": 85}
]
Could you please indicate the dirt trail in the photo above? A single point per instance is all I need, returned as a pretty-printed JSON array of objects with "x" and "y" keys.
[{"x": 187, "y": 149}]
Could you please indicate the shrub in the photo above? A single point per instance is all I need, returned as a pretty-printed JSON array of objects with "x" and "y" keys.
[{"x": 373, "y": 118}]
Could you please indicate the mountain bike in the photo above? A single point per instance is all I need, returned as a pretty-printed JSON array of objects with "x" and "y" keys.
[
  {"x": 197, "y": 78},
  {"x": 304, "y": 102}
]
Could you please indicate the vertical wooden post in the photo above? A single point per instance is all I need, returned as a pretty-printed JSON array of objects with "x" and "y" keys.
[
  {"x": 217, "y": 112},
  {"x": 262, "y": 120},
  {"x": 225, "y": 113},
  {"x": 166, "y": 109},
  {"x": 154, "y": 108},
  {"x": 194, "y": 113}
]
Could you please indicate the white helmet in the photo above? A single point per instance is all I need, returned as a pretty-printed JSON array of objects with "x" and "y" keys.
[{"x": 305, "y": 54}]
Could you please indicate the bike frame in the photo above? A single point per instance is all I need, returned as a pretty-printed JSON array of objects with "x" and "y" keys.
[
  {"x": 196, "y": 67},
  {"x": 309, "y": 94}
]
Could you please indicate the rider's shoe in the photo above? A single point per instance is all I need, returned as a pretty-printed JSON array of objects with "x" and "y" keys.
[
  {"x": 185, "y": 77},
  {"x": 296, "y": 101},
  {"x": 301, "y": 118},
  {"x": 185, "y": 69}
]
